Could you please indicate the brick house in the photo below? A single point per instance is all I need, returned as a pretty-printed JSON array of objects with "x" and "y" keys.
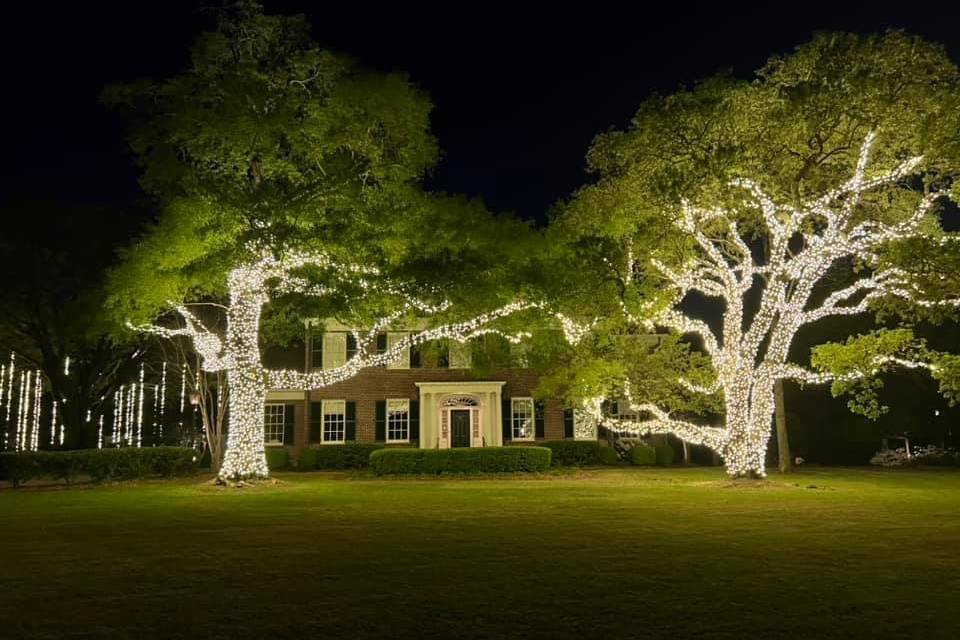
[{"x": 430, "y": 398}]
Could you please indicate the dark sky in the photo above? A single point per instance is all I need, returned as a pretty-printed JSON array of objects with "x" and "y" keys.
[{"x": 518, "y": 95}]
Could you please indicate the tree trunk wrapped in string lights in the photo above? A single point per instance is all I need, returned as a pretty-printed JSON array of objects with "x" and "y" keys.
[
  {"x": 749, "y": 353},
  {"x": 250, "y": 287}
]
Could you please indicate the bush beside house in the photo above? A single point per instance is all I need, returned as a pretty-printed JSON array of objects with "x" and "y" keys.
[
  {"x": 466, "y": 460},
  {"x": 99, "y": 464}
]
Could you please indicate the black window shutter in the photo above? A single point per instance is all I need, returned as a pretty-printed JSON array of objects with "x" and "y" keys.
[
  {"x": 351, "y": 345},
  {"x": 381, "y": 421},
  {"x": 443, "y": 357},
  {"x": 351, "y": 421},
  {"x": 607, "y": 407},
  {"x": 416, "y": 360},
  {"x": 568, "y": 423},
  {"x": 316, "y": 354},
  {"x": 381, "y": 343},
  {"x": 288, "y": 422},
  {"x": 507, "y": 415},
  {"x": 538, "y": 418},
  {"x": 414, "y": 420},
  {"x": 316, "y": 421}
]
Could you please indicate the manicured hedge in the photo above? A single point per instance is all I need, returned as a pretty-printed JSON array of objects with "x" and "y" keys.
[
  {"x": 608, "y": 456},
  {"x": 99, "y": 464},
  {"x": 341, "y": 456},
  {"x": 643, "y": 454},
  {"x": 571, "y": 453},
  {"x": 277, "y": 458},
  {"x": 466, "y": 460},
  {"x": 665, "y": 454}
]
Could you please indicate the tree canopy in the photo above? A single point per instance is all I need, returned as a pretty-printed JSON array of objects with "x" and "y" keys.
[{"x": 796, "y": 131}]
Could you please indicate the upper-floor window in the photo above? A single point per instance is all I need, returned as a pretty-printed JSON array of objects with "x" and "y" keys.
[
  {"x": 403, "y": 361},
  {"x": 459, "y": 355},
  {"x": 522, "y": 426}
]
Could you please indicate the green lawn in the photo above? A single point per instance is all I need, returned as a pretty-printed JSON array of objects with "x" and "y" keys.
[{"x": 608, "y": 553}]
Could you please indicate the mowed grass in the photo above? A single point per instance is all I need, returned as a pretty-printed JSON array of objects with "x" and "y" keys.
[{"x": 608, "y": 553}]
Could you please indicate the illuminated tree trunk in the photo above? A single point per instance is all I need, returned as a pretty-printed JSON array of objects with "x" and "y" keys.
[
  {"x": 244, "y": 457},
  {"x": 784, "y": 459}
]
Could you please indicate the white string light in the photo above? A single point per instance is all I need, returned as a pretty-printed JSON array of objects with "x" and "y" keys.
[
  {"x": 11, "y": 373},
  {"x": 140, "y": 410},
  {"x": 38, "y": 395},
  {"x": 724, "y": 268},
  {"x": 238, "y": 352},
  {"x": 100, "y": 434}
]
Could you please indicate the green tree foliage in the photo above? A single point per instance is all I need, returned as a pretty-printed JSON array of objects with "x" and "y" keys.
[
  {"x": 269, "y": 141},
  {"x": 795, "y": 129}
]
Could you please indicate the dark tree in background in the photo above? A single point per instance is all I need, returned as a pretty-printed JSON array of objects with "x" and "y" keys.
[{"x": 52, "y": 257}]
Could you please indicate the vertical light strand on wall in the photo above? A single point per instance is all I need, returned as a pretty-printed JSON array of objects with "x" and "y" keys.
[{"x": 100, "y": 434}]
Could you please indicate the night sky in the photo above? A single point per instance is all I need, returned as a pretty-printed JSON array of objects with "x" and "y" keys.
[{"x": 517, "y": 97}]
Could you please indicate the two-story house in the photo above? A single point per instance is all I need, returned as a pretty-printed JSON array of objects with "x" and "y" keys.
[{"x": 430, "y": 398}]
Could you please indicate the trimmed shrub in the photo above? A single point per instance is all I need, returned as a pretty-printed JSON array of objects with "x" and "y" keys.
[
  {"x": 466, "y": 460},
  {"x": 18, "y": 468},
  {"x": 571, "y": 453},
  {"x": 608, "y": 455},
  {"x": 665, "y": 455},
  {"x": 277, "y": 458},
  {"x": 643, "y": 455},
  {"x": 99, "y": 464},
  {"x": 341, "y": 456}
]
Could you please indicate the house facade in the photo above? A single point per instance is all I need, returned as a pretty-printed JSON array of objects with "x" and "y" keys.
[{"x": 430, "y": 398}]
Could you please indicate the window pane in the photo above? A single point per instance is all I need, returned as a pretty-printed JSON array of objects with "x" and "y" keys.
[
  {"x": 398, "y": 420},
  {"x": 334, "y": 350},
  {"x": 522, "y": 420},
  {"x": 273, "y": 423},
  {"x": 334, "y": 420}
]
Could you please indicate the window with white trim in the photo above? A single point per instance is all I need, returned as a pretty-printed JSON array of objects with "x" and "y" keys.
[
  {"x": 398, "y": 420},
  {"x": 403, "y": 362},
  {"x": 522, "y": 425},
  {"x": 334, "y": 350},
  {"x": 273, "y": 418},
  {"x": 334, "y": 421}
]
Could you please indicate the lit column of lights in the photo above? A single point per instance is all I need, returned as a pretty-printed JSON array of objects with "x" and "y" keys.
[
  {"x": 3, "y": 383},
  {"x": 53, "y": 422},
  {"x": 114, "y": 422},
  {"x": 131, "y": 417},
  {"x": 11, "y": 373},
  {"x": 100, "y": 433},
  {"x": 724, "y": 268},
  {"x": 21, "y": 405},
  {"x": 38, "y": 395},
  {"x": 183, "y": 389},
  {"x": 140, "y": 410},
  {"x": 163, "y": 397}
]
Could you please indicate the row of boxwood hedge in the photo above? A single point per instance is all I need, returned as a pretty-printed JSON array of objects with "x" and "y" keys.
[
  {"x": 466, "y": 460},
  {"x": 644, "y": 454},
  {"x": 99, "y": 464},
  {"x": 345, "y": 456},
  {"x": 572, "y": 453}
]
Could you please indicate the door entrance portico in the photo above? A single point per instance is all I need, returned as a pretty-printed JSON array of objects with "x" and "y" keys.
[{"x": 460, "y": 414}]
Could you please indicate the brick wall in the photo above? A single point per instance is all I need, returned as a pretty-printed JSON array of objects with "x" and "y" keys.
[{"x": 375, "y": 384}]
